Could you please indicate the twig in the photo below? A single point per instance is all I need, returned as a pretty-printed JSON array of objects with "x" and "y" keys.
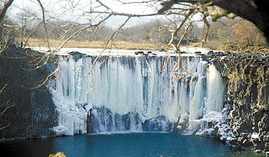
[
  {"x": 3, "y": 11},
  {"x": 206, "y": 30},
  {"x": 3, "y": 88},
  {"x": 84, "y": 28},
  {"x": 117, "y": 31},
  {"x": 178, "y": 28},
  {"x": 44, "y": 22}
]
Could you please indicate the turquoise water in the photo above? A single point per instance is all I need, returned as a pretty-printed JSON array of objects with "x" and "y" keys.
[{"x": 125, "y": 145}]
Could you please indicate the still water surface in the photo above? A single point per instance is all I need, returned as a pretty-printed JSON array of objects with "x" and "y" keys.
[{"x": 124, "y": 145}]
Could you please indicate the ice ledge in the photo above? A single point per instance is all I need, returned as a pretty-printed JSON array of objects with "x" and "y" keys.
[
  {"x": 61, "y": 130},
  {"x": 189, "y": 51}
]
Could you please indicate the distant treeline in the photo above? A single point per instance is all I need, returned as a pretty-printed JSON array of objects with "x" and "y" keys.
[{"x": 225, "y": 33}]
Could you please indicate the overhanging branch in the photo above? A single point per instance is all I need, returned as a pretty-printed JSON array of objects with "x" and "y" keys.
[{"x": 3, "y": 11}]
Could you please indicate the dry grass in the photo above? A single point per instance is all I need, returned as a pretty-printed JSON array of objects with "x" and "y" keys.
[
  {"x": 95, "y": 44},
  {"x": 215, "y": 45},
  {"x": 236, "y": 47}
]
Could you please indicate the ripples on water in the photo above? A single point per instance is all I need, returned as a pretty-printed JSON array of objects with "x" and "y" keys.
[{"x": 124, "y": 145}]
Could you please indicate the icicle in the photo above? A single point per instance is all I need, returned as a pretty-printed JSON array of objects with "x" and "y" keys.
[
  {"x": 215, "y": 90},
  {"x": 134, "y": 93}
]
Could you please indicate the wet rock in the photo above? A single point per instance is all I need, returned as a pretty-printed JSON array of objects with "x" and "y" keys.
[
  {"x": 76, "y": 55},
  {"x": 131, "y": 121},
  {"x": 147, "y": 53},
  {"x": 183, "y": 123},
  {"x": 160, "y": 123},
  {"x": 139, "y": 53},
  {"x": 60, "y": 154},
  {"x": 34, "y": 112},
  {"x": 210, "y": 52},
  {"x": 216, "y": 53},
  {"x": 247, "y": 77},
  {"x": 100, "y": 120}
]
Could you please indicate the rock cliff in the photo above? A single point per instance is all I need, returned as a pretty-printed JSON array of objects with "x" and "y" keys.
[
  {"x": 247, "y": 78},
  {"x": 31, "y": 112}
]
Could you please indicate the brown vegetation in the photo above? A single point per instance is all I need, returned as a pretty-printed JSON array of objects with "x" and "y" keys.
[
  {"x": 236, "y": 35},
  {"x": 97, "y": 44}
]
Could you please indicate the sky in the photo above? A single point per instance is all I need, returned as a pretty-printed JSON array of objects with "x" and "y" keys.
[{"x": 74, "y": 10}]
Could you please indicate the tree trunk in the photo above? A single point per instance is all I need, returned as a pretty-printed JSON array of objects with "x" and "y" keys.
[
  {"x": 3, "y": 10},
  {"x": 255, "y": 11}
]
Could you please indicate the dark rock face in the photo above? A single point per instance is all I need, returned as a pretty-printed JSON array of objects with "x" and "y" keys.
[
  {"x": 248, "y": 96},
  {"x": 77, "y": 55},
  {"x": 101, "y": 119},
  {"x": 157, "y": 124},
  {"x": 44, "y": 114},
  {"x": 29, "y": 101},
  {"x": 131, "y": 119}
]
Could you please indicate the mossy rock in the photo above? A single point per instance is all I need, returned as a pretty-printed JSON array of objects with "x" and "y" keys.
[{"x": 59, "y": 154}]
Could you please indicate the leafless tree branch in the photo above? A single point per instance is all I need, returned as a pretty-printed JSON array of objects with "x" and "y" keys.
[
  {"x": 3, "y": 10},
  {"x": 109, "y": 42},
  {"x": 8, "y": 106},
  {"x": 44, "y": 21},
  {"x": 206, "y": 30},
  {"x": 45, "y": 80},
  {"x": 3, "y": 88},
  {"x": 4, "y": 107},
  {"x": 171, "y": 43},
  {"x": 84, "y": 28},
  {"x": 104, "y": 5},
  {"x": 182, "y": 37},
  {"x": 137, "y": 2}
]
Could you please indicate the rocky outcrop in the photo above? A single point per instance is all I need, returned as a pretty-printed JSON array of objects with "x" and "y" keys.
[
  {"x": 247, "y": 96},
  {"x": 31, "y": 110},
  {"x": 60, "y": 154}
]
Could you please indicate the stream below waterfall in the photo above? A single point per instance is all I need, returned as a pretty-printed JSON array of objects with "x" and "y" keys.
[{"x": 124, "y": 145}]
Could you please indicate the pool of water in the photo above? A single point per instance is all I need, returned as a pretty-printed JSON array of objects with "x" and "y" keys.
[{"x": 124, "y": 145}]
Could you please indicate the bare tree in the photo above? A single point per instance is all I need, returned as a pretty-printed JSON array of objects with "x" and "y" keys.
[
  {"x": 4, "y": 9},
  {"x": 252, "y": 10},
  {"x": 184, "y": 10},
  {"x": 255, "y": 11},
  {"x": 5, "y": 106}
]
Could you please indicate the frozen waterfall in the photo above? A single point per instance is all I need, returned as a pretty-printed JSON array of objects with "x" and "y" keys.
[{"x": 135, "y": 93}]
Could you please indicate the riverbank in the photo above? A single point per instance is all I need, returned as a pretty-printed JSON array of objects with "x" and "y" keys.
[{"x": 129, "y": 45}]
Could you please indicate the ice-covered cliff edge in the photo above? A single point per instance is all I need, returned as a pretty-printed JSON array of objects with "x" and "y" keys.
[{"x": 134, "y": 93}]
